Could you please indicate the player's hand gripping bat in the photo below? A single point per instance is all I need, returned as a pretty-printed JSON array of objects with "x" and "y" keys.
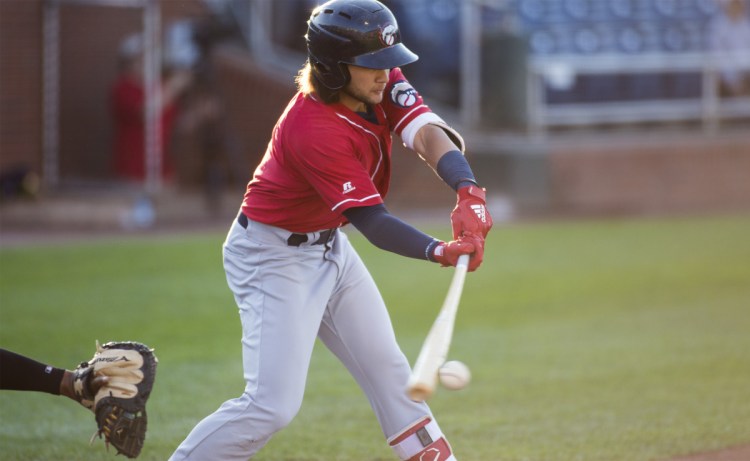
[{"x": 434, "y": 350}]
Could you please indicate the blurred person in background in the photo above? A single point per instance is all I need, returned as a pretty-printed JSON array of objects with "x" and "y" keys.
[
  {"x": 128, "y": 104},
  {"x": 202, "y": 139},
  {"x": 18, "y": 181},
  {"x": 729, "y": 39}
]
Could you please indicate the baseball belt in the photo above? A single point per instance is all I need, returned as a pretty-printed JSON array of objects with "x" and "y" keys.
[{"x": 296, "y": 239}]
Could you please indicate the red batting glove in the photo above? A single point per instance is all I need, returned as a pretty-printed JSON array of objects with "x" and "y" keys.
[
  {"x": 470, "y": 214},
  {"x": 478, "y": 256},
  {"x": 447, "y": 253}
]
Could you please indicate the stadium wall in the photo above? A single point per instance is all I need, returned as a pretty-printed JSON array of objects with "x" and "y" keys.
[{"x": 585, "y": 174}]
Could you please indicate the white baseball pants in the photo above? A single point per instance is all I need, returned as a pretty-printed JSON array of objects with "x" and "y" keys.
[{"x": 288, "y": 296}]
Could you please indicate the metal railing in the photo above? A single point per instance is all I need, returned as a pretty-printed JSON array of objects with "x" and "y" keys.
[
  {"x": 706, "y": 107},
  {"x": 540, "y": 115},
  {"x": 151, "y": 30}
]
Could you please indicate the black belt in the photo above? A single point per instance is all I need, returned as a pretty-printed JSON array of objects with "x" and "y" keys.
[{"x": 295, "y": 239}]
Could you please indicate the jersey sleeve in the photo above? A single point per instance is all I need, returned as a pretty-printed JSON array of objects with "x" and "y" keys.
[{"x": 407, "y": 112}]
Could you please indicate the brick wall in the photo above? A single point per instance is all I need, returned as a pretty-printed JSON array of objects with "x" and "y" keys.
[
  {"x": 89, "y": 40},
  {"x": 682, "y": 175},
  {"x": 20, "y": 83},
  {"x": 250, "y": 102},
  {"x": 702, "y": 173}
]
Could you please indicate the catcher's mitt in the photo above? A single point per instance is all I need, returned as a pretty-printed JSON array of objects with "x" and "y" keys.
[{"x": 127, "y": 370}]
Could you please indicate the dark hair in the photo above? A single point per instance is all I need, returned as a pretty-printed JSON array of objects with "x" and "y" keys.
[{"x": 308, "y": 83}]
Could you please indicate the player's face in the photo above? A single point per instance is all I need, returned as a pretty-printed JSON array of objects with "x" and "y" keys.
[{"x": 365, "y": 88}]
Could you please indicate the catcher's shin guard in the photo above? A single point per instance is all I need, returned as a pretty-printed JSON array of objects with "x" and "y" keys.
[{"x": 422, "y": 441}]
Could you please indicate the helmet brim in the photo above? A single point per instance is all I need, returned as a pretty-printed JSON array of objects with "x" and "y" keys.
[{"x": 386, "y": 58}]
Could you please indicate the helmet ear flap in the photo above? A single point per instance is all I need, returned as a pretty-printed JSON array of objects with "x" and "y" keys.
[
  {"x": 344, "y": 73},
  {"x": 332, "y": 77}
]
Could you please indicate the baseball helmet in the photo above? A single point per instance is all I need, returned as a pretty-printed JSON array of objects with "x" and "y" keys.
[{"x": 359, "y": 32}]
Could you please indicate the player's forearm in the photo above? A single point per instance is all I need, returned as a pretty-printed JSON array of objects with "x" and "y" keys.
[
  {"x": 431, "y": 142},
  {"x": 455, "y": 170},
  {"x": 22, "y": 373},
  {"x": 389, "y": 233},
  {"x": 441, "y": 153}
]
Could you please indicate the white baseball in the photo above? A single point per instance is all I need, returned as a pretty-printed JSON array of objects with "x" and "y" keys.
[{"x": 454, "y": 375}]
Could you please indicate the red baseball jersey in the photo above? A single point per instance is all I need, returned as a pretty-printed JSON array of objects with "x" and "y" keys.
[{"x": 324, "y": 158}]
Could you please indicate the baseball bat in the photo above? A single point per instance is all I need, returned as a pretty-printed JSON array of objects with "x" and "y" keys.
[{"x": 434, "y": 350}]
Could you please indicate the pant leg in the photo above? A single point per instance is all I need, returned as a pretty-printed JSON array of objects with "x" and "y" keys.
[
  {"x": 281, "y": 292},
  {"x": 357, "y": 329}
]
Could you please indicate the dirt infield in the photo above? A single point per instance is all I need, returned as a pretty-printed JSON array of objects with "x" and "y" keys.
[{"x": 739, "y": 453}]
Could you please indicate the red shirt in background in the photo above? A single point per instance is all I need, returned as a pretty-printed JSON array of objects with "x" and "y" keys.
[{"x": 129, "y": 115}]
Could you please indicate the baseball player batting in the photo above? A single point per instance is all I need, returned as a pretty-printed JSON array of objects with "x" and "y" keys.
[{"x": 293, "y": 272}]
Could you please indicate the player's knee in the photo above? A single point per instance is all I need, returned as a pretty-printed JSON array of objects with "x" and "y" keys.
[
  {"x": 421, "y": 440},
  {"x": 267, "y": 417},
  {"x": 384, "y": 357},
  {"x": 282, "y": 415},
  {"x": 281, "y": 420}
]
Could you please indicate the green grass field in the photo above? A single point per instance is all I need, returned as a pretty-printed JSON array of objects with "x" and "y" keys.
[{"x": 598, "y": 340}]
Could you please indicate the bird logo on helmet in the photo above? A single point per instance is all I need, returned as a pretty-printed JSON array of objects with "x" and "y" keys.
[
  {"x": 388, "y": 34},
  {"x": 359, "y": 32}
]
